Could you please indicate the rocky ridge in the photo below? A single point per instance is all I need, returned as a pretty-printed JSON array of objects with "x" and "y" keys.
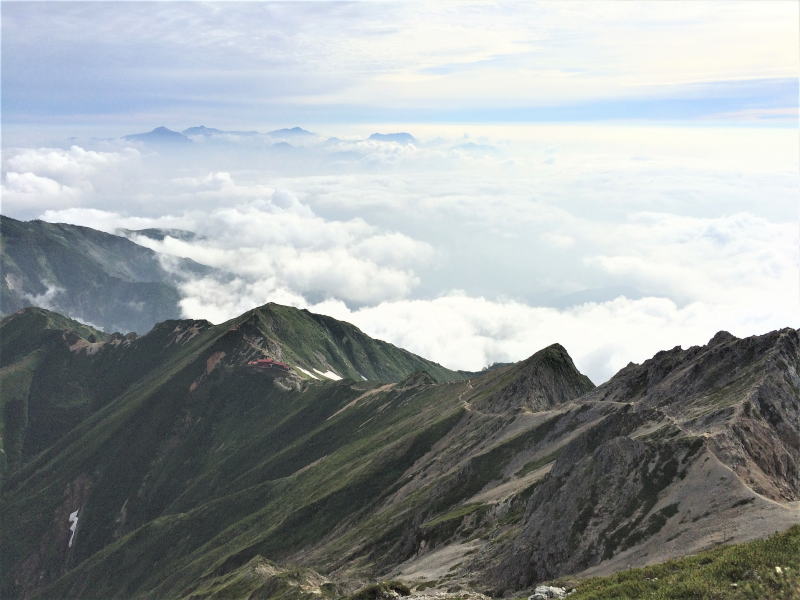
[{"x": 488, "y": 484}]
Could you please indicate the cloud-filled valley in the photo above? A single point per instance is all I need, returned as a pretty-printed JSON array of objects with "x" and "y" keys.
[{"x": 468, "y": 247}]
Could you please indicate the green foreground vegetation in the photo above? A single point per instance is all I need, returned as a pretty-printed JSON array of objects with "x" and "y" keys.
[{"x": 767, "y": 569}]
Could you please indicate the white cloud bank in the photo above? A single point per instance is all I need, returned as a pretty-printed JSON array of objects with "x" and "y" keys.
[
  {"x": 615, "y": 242},
  {"x": 467, "y": 332},
  {"x": 737, "y": 273},
  {"x": 36, "y": 179}
]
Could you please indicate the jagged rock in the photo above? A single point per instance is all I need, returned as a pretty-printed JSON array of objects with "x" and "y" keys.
[
  {"x": 694, "y": 436},
  {"x": 546, "y": 379},
  {"x": 721, "y": 337},
  {"x": 546, "y": 592}
]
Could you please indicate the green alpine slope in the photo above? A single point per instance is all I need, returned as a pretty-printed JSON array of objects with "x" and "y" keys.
[
  {"x": 42, "y": 391},
  {"x": 191, "y": 458},
  {"x": 759, "y": 570},
  {"x": 94, "y": 276},
  {"x": 165, "y": 466},
  {"x": 324, "y": 348}
]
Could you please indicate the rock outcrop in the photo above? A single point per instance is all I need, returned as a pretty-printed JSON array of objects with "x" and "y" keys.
[
  {"x": 210, "y": 473},
  {"x": 701, "y": 443}
]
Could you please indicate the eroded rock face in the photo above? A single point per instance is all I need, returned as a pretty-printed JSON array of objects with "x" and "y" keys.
[
  {"x": 744, "y": 395},
  {"x": 767, "y": 427},
  {"x": 599, "y": 499},
  {"x": 547, "y": 379},
  {"x": 697, "y": 437}
]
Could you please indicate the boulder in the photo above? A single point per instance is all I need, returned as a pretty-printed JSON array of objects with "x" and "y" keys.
[{"x": 546, "y": 592}]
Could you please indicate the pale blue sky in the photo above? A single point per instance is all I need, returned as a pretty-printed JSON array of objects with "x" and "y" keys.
[{"x": 126, "y": 64}]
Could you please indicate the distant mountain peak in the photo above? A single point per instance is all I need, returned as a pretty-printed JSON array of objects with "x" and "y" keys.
[
  {"x": 201, "y": 130},
  {"x": 546, "y": 379},
  {"x": 554, "y": 350},
  {"x": 290, "y": 132},
  {"x": 553, "y": 355},
  {"x": 400, "y": 137},
  {"x": 101, "y": 278},
  {"x": 159, "y": 135},
  {"x": 315, "y": 342}
]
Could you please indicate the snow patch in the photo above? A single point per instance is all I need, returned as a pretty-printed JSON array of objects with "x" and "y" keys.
[
  {"x": 302, "y": 370},
  {"x": 73, "y": 519},
  {"x": 329, "y": 374}
]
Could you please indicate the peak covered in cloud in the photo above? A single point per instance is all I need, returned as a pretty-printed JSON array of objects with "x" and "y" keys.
[
  {"x": 400, "y": 138},
  {"x": 201, "y": 130},
  {"x": 272, "y": 241}
]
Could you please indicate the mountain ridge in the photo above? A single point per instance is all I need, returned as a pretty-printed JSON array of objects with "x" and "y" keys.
[{"x": 184, "y": 454}]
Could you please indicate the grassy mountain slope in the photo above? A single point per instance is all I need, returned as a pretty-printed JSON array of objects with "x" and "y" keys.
[
  {"x": 320, "y": 344},
  {"x": 39, "y": 401},
  {"x": 285, "y": 460},
  {"x": 735, "y": 572},
  {"x": 192, "y": 471},
  {"x": 94, "y": 276}
]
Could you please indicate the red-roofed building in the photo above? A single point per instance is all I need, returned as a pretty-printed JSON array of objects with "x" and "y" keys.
[{"x": 268, "y": 363}]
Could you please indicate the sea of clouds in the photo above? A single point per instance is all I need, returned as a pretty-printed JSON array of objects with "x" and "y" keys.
[{"x": 471, "y": 245}]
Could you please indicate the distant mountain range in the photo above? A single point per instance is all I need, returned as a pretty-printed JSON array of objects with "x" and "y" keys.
[
  {"x": 164, "y": 136},
  {"x": 168, "y": 466}
]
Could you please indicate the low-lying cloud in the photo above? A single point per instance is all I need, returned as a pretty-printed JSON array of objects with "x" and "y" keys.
[
  {"x": 36, "y": 179},
  {"x": 602, "y": 337},
  {"x": 615, "y": 242}
]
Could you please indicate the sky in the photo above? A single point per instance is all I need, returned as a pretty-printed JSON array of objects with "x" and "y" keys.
[
  {"x": 619, "y": 177},
  {"x": 270, "y": 63}
]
